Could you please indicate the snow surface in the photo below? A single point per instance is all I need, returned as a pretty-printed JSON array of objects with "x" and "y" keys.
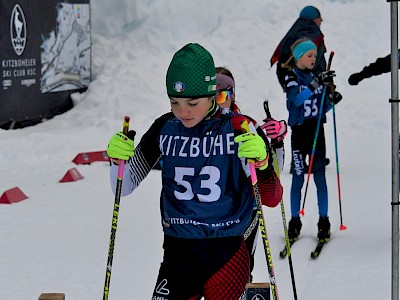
[{"x": 57, "y": 239}]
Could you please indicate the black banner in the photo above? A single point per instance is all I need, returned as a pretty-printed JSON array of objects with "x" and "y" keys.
[{"x": 45, "y": 55}]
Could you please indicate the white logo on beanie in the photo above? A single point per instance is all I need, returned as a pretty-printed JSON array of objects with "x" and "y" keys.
[
  {"x": 209, "y": 78},
  {"x": 178, "y": 86}
]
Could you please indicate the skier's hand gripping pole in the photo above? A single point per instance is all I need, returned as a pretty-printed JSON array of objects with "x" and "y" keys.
[
  {"x": 125, "y": 129},
  {"x": 261, "y": 222}
]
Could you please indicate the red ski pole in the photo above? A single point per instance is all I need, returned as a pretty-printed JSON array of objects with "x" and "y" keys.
[{"x": 301, "y": 212}]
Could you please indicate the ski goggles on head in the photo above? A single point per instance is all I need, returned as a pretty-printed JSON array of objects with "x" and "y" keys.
[{"x": 223, "y": 95}]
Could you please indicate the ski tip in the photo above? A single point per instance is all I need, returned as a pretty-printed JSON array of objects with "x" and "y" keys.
[
  {"x": 343, "y": 227},
  {"x": 316, "y": 252}
]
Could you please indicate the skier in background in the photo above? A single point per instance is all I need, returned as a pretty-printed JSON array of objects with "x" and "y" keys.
[
  {"x": 308, "y": 25},
  {"x": 304, "y": 96},
  {"x": 206, "y": 195},
  {"x": 274, "y": 130}
]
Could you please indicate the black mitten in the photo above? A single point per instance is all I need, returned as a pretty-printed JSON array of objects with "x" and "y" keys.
[
  {"x": 335, "y": 97},
  {"x": 323, "y": 78},
  {"x": 380, "y": 66},
  {"x": 131, "y": 134},
  {"x": 355, "y": 78}
]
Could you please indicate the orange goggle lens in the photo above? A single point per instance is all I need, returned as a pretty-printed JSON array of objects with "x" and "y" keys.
[{"x": 222, "y": 96}]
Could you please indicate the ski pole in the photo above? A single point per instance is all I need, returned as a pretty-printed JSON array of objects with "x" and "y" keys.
[
  {"x": 114, "y": 223},
  {"x": 285, "y": 229},
  {"x": 321, "y": 109},
  {"x": 342, "y": 227},
  {"x": 261, "y": 223}
]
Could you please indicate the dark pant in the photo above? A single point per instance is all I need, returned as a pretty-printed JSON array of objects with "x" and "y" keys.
[
  {"x": 216, "y": 269},
  {"x": 251, "y": 241}
]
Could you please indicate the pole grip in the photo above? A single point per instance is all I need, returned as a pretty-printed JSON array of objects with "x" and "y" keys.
[
  {"x": 330, "y": 60},
  {"x": 125, "y": 129},
  {"x": 246, "y": 128},
  {"x": 125, "y": 126},
  {"x": 266, "y": 109}
]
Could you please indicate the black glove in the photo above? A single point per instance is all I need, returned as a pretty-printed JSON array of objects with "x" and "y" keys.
[
  {"x": 276, "y": 143},
  {"x": 355, "y": 78},
  {"x": 335, "y": 97},
  {"x": 131, "y": 134},
  {"x": 323, "y": 78}
]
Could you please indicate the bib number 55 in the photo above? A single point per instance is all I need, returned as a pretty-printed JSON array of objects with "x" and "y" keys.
[{"x": 310, "y": 108}]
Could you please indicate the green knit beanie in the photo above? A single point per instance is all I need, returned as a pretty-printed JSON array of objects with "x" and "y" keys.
[{"x": 191, "y": 73}]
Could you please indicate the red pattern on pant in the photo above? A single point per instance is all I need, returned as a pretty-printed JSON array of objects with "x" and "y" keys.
[{"x": 230, "y": 281}]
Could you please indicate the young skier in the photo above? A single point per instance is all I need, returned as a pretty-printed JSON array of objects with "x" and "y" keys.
[
  {"x": 225, "y": 96},
  {"x": 307, "y": 25},
  {"x": 275, "y": 130},
  {"x": 206, "y": 195},
  {"x": 226, "y": 99},
  {"x": 303, "y": 100}
]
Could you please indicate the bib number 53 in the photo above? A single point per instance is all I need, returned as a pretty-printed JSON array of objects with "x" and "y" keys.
[{"x": 210, "y": 183}]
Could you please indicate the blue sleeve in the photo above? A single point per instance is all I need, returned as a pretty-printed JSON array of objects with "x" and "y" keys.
[{"x": 297, "y": 97}]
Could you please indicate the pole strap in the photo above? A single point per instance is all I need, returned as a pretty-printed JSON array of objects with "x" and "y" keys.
[
  {"x": 394, "y": 100},
  {"x": 395, "y": 203}
]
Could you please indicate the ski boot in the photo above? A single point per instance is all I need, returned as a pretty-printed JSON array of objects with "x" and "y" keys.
[
  {"x": 324, "y": 229},
  {"x": 294, "y": 229}
]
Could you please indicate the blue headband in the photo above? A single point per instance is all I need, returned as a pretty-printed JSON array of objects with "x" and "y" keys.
[{"x": 302, "y": 48}]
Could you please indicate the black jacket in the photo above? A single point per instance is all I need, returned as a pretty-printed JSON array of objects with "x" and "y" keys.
[
  {"x": 302, "y": 28},
  {"x": 380, "y": 66}
]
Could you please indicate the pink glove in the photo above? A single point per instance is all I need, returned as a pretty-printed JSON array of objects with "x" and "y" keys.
[{"x": 274, "y": 129}]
